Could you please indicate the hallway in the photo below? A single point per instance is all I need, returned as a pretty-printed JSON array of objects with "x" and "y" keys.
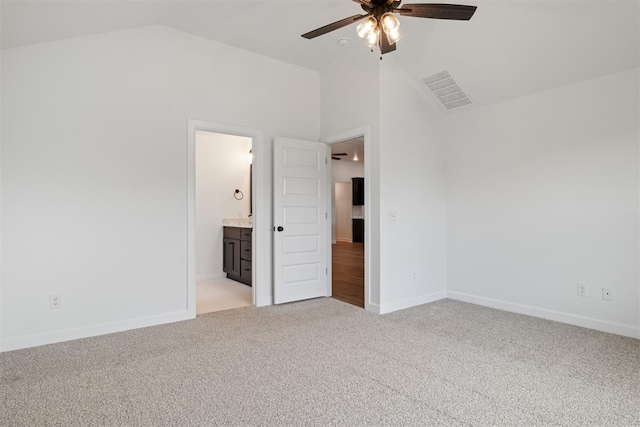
[{"x": 348, "y": 273}]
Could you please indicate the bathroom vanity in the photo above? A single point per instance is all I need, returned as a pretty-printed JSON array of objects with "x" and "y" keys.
[{"x": 237, "y": 256}]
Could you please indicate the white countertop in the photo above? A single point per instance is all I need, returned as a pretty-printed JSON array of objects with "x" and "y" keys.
[{"x": 243, "y": 222}]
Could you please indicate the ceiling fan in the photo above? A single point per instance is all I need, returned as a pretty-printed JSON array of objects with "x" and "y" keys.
[
  {"x": 382, "y": 29},
  {"x": 336, "y": 156}
]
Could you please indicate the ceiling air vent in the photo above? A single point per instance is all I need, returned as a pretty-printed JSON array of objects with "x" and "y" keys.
[{"x": 445, "y": 88}]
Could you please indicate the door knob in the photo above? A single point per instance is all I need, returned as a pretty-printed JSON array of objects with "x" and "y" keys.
[{"x": 280, "y": 228}]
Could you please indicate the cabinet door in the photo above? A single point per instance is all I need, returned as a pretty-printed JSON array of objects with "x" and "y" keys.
[
  {"x": 358, "y": 230},
  {"x": 231, "y": 257},
  {"x": 357, "y": 191}
]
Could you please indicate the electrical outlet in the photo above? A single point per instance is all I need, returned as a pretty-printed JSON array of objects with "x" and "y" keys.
[
  {"x": 55, "y": 301},
  {"x": 607, "y": 294},
  {"x": 583, "y": 290}
]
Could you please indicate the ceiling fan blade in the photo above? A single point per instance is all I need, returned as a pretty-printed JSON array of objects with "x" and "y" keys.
[
  {"x": 458, "y": 12},
  {"x": 334, "y": 26},
  {"x": 339, "y": 154},
  {"x": 385, "y": 47},
  {"x": 335, "y": 158}
]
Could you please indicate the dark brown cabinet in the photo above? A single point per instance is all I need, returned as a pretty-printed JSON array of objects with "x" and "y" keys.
[
  {"x": 231, "y": 256},
  {"x": 357, "y": 229},
  {"x": 237, "y": 257},
  {"x": 357, "y": 191}
]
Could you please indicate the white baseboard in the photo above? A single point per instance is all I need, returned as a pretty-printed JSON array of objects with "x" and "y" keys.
[
  {"x": 211, "y": 277},
  {"x": 344, "y": 240},
  {"x": 373, "y": 308},
  {"x": 407, "y": 303},
  {"x": 572, "y": 319},
  {"x": 90, "y": 331}
]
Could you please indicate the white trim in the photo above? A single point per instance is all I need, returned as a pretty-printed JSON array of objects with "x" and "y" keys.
[
  {"x": 1, "y": 204},
  {"x": 571, "y": 319},
  {"x": 330, "y": 193},
  {"x": 411, "y": 302},
  {"x": 364, "y": 131},
  {"x": 211, "y": 277},
  {"x": 91, "y": 331},
  {"x": 261, "y": 288},
  {"x": 374, "y": 308}
]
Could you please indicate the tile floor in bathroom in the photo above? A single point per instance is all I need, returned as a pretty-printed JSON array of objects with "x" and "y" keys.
[{"x": 221, "y": 294}]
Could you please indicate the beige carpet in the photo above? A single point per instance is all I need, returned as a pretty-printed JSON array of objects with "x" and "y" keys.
[{"x": 323, "y": 362}]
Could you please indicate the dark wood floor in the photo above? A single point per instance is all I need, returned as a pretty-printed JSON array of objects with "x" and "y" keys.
[{"x": 348, "y": 273}]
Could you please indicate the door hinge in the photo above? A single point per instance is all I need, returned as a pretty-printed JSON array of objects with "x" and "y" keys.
[
  {"x": 325, "y": 161},
  {"x": 326, "y": 271},
  {"x": 326, "y": 215}
]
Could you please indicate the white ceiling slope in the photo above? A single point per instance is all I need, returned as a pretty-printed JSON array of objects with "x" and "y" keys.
[{"x": 509, "y": 49}]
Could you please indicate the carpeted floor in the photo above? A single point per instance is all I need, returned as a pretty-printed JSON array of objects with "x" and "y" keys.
[{"x": 324, "y": 362}]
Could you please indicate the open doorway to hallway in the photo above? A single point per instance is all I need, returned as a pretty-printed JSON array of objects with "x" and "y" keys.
[
  {"x": 348, "y": 265},
  {"x": 223, "y": 221}
]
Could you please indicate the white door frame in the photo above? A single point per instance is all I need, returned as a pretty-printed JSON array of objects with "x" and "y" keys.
[
  {"x": 365, "y": 132},
  {"x": 259, "y": 240}
]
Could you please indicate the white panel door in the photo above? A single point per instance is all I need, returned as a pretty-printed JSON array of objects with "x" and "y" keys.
[{"x": 300, "y": 220}]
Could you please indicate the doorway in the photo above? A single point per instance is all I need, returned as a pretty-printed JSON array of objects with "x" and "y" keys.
[
  {"x": 225, "y": 210},
  {"x": 348, "y": 213},
  {"x": 223, "y": 221}
]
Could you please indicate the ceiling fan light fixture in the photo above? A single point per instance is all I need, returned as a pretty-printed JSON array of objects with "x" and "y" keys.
[
  {"x": 367, "y": 27},
  {"x": 373, "y": 37},
  {"x": 391, "y": 27},
  {"x": 389, "y": 22},
  {"x": 379, "y": 18},
  {"x": 393, "y": 35}
]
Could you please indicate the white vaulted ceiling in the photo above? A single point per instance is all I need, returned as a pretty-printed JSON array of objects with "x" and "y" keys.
[{"x": 509, "y": 48}]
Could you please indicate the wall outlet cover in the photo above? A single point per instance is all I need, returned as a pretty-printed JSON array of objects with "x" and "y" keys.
[
  {"x": 55, "y": 301},
  {"x": 582, "y": 289}
]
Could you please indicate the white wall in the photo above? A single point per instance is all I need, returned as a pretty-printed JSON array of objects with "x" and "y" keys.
[
  {"x": 343, "y": 171},
  {"x": 94, "y": 170},
  {"x": 412, "y": 186},
  {"x": 350, "y": 99},
  {"x": 222, "y": 166},
  {"x": 543, "y": 193}
]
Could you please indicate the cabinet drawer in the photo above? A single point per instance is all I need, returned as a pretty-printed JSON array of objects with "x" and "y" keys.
[
  {"x": 232, "y": 232},
  {"x": 245, "y": 234},
  {"x": 245, "y": 250},
  {"x": 245, "y": 271}
]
